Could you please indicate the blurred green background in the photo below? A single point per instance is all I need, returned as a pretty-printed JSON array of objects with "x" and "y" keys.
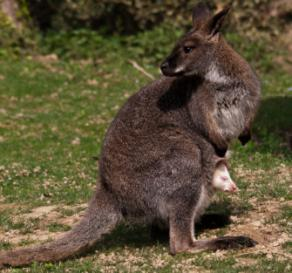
[{"x": 147, "y": 28}]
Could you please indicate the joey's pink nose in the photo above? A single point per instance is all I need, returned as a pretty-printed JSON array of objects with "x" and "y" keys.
[{"x": 234, "y": 188}]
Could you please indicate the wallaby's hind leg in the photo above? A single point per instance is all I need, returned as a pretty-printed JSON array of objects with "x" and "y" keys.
[
  {"x": 182, "y": 208},
  {"x": 181, "y": 229},
  {"x": 181, "y": 237}
]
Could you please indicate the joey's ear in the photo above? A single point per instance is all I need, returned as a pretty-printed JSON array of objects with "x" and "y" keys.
[
  {"x": 221, "y": 163},
  {"x": 201, "y": 15},
  {"x": 215, "y": 23}
]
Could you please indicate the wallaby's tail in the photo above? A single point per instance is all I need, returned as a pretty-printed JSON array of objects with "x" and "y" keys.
[{"x": 101, "y": 217}]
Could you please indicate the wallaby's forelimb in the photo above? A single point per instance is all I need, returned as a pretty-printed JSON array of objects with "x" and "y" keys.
[
  {"x": 245, "y": 136},
  {"x": 100, "y": 218}
]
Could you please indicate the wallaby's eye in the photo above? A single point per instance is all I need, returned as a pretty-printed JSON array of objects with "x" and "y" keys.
[{"x": 187, "y": 49}]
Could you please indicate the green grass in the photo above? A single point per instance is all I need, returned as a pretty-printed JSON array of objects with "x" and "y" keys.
[
  {"x": 44, "y": 114},
  {"x": 53, "y": 118}
]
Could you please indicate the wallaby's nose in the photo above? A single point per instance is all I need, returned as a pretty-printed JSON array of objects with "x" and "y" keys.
[{"x": 164, "y": 66}]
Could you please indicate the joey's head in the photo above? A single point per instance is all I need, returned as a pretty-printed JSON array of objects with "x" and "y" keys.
[
  {"x": 221, "y": 177},
  {"x": 195, "y": 51}
]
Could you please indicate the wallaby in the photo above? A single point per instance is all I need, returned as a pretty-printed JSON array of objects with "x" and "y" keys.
[{"x": 157, "y": 160}]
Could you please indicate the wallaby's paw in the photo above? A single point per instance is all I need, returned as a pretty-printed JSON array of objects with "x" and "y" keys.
[{"x": 245, "y": 138}]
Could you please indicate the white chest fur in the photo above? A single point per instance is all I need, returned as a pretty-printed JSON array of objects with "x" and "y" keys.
[
  {"x": 231, "y": 121},
  {"x": 214, "y": 75}
]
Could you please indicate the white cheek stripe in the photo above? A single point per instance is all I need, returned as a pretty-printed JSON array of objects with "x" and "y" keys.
[{"x": 179, "y": 69}]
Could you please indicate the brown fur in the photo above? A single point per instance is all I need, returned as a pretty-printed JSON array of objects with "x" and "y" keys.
[{"x": 157, "y": 157}]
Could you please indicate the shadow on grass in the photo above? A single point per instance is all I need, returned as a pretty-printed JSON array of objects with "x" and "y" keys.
[
  {"x": 275, "y": 113},
  {"x": 273, "y": 125},
  {"x": 218, "y": 216}
]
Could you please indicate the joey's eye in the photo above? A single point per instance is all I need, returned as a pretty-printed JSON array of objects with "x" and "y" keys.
[{"x": 187, "y": 49}]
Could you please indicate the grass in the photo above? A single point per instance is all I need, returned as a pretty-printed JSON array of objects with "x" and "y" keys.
[
  {"x": 53, "y": 118},
  {"x": 52, "y": 125}
]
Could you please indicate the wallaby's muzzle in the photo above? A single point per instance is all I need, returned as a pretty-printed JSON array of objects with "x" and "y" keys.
[
  {"x": 165, "y": 69},
  {"x": 168, "y": 70},
  {"x": 164, "y": 66}
]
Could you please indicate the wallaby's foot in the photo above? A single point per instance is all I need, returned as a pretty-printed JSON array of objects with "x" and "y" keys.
[
  {"x": 226, "y": 242},
  {"x": 220, "y": 243},
  {"x": 180, "y": 245}
]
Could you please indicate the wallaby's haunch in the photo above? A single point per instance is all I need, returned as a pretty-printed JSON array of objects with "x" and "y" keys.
[{"x": 157, "y": 161}]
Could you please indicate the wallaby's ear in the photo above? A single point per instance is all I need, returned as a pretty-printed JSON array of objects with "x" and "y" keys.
[
  {"x": 215, "y": 23},
  {"x": 201, "y": 15}
]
